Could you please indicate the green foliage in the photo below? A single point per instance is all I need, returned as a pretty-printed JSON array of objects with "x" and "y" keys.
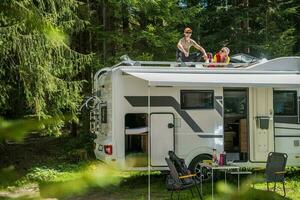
[
  {"x": 7, "y": 176},
  {"x": 42, "y": 72},
  {"x": 94, "y": 176},
  {"x": 283, "y": 45},
  {"x": 83, "y": 141},
  {"x": 153, "y": 28},
  {"x": 64, "y": 180},
  {"x": 18, "y": 129},
  {"x": 63, "y": 172},
  {"x": 38, "y": 75}
]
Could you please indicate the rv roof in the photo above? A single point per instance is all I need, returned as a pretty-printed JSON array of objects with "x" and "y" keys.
[
  {"x": 280, "y": 72},
  {"x": 278, "y": 65}
]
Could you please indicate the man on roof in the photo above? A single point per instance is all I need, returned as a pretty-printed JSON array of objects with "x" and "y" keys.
[{"x": 184, "y": 45}]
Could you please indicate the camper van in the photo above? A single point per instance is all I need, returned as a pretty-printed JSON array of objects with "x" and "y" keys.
[{"x": 143, "y": 109}]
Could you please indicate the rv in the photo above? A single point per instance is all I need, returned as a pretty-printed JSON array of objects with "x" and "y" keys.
[{"x": 144, "y": 109}]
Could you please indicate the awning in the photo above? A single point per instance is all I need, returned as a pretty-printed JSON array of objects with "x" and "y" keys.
[{"x": 227, "y": 80}]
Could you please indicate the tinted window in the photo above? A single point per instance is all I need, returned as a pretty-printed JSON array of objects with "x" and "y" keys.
[
  {"x": 235, "y": 102},
  {"x": 104, "y": 114},
  {"x": 195, "y": 99},
  {"x": 285, "y": 102},
  {"x": 135, "y": 120}
]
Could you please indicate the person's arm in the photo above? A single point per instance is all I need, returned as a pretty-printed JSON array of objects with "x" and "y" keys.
[
  {"x": 180, "y": 47},
  {"x": 228, "y": 60},
  {"x": 200, "y": 48}
]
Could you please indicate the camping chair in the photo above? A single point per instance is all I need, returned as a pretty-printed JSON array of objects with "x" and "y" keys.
[
  {"x": 275, "y": 169},
  {"x": 179, "y": 163},
  {"x": 183, "y": 169},
  {"x": 176, "y": 182}
]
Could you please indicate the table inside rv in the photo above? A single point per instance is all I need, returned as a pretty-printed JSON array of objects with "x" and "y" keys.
[{"x": 224, "y": 168}]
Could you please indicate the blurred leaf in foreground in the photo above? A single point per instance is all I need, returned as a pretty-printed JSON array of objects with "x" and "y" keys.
[
  {"x": 18, "y": 129},
  {"x": 246, "y": 192},
  {"x": 94, "y": 176},
  {"x": 8, "y": 174}
]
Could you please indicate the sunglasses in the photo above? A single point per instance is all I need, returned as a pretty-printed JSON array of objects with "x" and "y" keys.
[{"x": 188, "y": 32}]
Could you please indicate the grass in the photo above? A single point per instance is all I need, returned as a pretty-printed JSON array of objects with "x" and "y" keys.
[
  {"x": 40, "y": 173},
  {"x": 129, "y": 185}
]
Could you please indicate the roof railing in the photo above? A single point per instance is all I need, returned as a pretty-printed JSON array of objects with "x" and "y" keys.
[
  {"x": 125, "y": 60},
  {"x": 184, "y": 64}
]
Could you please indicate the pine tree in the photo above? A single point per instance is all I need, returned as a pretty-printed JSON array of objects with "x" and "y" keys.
[{"x": 38, "y": 69}]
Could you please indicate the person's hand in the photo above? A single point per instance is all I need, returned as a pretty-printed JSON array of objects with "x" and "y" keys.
[{"x": 186, "y": 54}]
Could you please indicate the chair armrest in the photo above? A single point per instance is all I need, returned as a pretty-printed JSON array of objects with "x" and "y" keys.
[
  {"x": 282, "y": 172},
  {"x": 187, "y": 176},
  {"x": 258, "y": 168},
  {"x": 241, "y": 172}
]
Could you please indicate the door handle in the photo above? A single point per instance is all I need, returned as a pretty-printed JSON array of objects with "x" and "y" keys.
[{"x": 170, "y": 125}]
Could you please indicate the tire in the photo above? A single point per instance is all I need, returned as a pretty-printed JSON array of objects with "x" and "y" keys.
[{"x": 196, "y": 168}]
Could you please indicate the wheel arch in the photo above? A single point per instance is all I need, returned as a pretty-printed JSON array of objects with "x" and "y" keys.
[{"x": 206, "y": 151}]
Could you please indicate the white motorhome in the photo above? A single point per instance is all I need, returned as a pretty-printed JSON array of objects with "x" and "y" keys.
[{"x": 144, "y": 109}]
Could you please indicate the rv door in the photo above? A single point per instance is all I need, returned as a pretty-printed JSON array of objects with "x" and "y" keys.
[
  {"x": 162, "y": 137},
  {"x": 261, "y": 123}
]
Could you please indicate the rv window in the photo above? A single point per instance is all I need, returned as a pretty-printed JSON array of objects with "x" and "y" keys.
[
  {"x": 235, "y": 102},
  {"x": 285, "y": 102},
  {"x": 104, "y": 114},
  {"x": 136, "y": 120},
  {"x": 197, "y": 99}
]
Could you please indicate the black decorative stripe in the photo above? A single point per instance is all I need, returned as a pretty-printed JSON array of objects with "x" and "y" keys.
[
  {"x": 211, "y": 136},
  {"x": 285, "y": 119},
  {"x": 218, "y": 105},
  {"x": 288, "y": 128},
  {"x": 298, "y": 110},
  {"x": 164, "y": 101},
  {"x": 287, "y": 135}
]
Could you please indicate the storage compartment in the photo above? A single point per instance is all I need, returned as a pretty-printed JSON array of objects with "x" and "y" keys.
[
  {"x": 136, "y": 139},
  {"x": 228, "y": 140},
  {"x": 262, "y": 122}
]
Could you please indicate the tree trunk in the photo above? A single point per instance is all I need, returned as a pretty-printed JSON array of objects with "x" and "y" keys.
[
  {"x": 125, "y": 17},
  {"x": 104, "y": 29},
  {"x": 73, "y": 129},
  {"x": 245, "y": 24}
]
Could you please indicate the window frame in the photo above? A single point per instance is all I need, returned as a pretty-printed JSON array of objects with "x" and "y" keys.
[
  {"x": 295, "y": 100},
  {"x": 182, "y": 92}
]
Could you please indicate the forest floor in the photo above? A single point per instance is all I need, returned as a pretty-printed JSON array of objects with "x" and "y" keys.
[{"x": 28, "y": 170}]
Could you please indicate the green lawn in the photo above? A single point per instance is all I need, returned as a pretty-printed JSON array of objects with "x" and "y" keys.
[
  {"x": 52, "y": 181},
  {"x": 42, "y": 173}
]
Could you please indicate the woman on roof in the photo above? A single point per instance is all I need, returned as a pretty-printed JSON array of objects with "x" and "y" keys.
[{"x": 222, "y": 56}]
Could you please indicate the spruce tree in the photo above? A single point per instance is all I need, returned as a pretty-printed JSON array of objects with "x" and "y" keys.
[{"x": 38, "y": 69}]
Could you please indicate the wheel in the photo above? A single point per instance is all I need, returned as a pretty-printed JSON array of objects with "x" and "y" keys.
[{"x": 195, "y": 167}]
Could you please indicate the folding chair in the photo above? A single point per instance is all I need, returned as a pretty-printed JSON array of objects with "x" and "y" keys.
[
  {"x": 275, "y": 169},
  {"x": 176, "y": 182},
  {"x": 183, "y": 169},
  {"x": 179, "y": 163}
]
